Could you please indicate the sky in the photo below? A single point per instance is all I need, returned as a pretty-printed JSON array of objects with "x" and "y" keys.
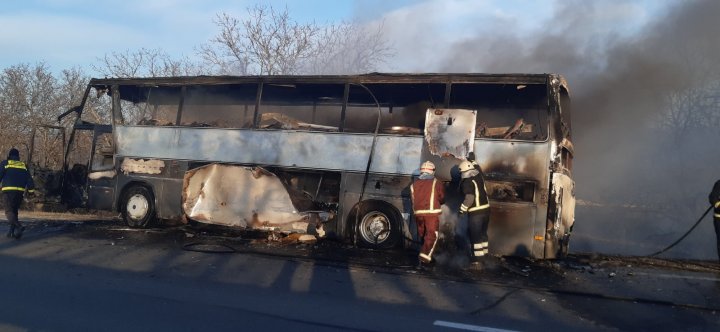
[{"x": 75, "y": 33}]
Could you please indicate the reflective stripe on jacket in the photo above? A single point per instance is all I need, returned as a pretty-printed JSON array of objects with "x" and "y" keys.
[
  {"x": 476, "y": 197},
  {"x": 14, "y": 176},
  {"x": 427, "y": 196}
]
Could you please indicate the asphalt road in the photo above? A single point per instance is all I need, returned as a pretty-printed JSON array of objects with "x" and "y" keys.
[{"x": 100, "y": 276}]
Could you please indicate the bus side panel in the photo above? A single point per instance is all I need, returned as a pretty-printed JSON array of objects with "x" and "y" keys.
[
  {"x": 310, "y": 150},
  {"x": 518, "y": 219},
  {"x": 511, "y": 229}
]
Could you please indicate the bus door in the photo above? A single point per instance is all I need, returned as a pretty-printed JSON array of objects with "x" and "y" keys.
[
  {"x": 101, "y": 175},
  {"x": 449, "y": 138},
  {"x": 47, "y": 144}
]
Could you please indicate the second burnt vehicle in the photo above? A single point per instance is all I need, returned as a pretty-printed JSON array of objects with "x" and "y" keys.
[{"x": 291, "y": 152}]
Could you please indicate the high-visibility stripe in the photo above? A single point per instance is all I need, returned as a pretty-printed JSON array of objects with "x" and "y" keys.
[
  {"x": 480, "y": 248},
  {"x": 717, "y": 215},
  {"x": 18, "y": 165},
  {"x": 432, "y": 195},
  {"x": 717, "y": 204},
  {"x": 428, "y": 211},
  {"x": 477, "y": 199},
  {"x": 426, "y": 257},
  {"x": 480, "y": 245},
  {"x": 13, "y": 188},
  {"x": 463, "y": 207},
  {"x": 433, "y": 246},
  {"x": 432, "y": 209}
]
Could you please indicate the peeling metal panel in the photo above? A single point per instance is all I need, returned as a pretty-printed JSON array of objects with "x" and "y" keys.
[
  {"x": 141, "y": 166},
  {"x": 242, "y": 197},
  {"x": 450, "y": 132},
  {"x": 562, "y": 195},
  {"x": 102, "y": 175}
]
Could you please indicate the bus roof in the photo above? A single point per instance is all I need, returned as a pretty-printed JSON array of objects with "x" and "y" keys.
[{"x": 363, "y": 79}]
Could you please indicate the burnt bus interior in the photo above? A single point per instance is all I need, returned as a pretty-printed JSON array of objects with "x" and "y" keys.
[
  {"x": 513, "y": 108},
  {"x": 319, "y": 107}
]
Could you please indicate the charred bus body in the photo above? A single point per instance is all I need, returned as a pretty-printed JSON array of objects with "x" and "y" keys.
[{"x": 291, "y": 153}]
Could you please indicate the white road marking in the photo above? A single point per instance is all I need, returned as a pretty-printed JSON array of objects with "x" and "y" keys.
[
  {"x": 676, "y": 276},
  {"x": 468, "y": 327}
]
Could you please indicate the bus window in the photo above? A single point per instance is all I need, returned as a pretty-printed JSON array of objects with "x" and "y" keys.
[
  {"x": 224, "y": 106},
  {"x": 149, "y": 106},
  {"x": 402, "y": 107},
  {"x": 505, "y": 111},
  {"x": 301, "y": 106},
  {"x": 103, "y": 154},
  {"x": 565, "y": 113},
  {"x": 98, "y": 107}
]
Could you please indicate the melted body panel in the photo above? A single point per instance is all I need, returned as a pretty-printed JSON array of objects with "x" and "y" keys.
[{"x": 240, "y": 196}]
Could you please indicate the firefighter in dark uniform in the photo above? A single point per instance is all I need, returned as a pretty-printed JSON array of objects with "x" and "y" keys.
[
  {"x": 715, "y": 201},
  {"x": 15, "y": 179},
  {"x": 428, "y": 194},
  {"x": 477, "y": 207}
]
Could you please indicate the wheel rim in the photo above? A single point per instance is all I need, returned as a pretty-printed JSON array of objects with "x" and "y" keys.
[
  {"x": 375, "y": 227},
  {"x": 137, "y": 207}
]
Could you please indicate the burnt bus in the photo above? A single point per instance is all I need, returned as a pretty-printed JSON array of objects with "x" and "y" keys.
[{"x": 326, "y": 154}]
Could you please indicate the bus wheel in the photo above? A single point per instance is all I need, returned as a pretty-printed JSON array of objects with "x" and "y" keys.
[
  {"x": 378, "y": 226},
  {"x": 138, "y": 207}
]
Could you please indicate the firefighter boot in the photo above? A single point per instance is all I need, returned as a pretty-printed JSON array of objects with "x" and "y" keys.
[
  {"x": 491, "y": 263},
  {"x": 19, "y": 233}
]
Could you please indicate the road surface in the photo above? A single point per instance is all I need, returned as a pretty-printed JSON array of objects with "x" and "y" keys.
[{"x": 78, "y": 274}]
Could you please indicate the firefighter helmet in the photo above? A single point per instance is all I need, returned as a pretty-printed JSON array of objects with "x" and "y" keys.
[
  {"x": 427, "y": 167},
  {"x": 466, "y": 166}
]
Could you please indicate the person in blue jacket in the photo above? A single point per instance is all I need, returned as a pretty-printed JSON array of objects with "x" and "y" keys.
[{"x": 15, "y": 179}]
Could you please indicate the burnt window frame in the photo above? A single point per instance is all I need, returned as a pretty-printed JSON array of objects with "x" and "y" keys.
[
  {"x": 545, "y": 111},
  {"x": 118, "y": 117},
  {"x": 251, "y": 112},
  {"x": 263, "y": 90},
  {"x": 387, "y": 102}
]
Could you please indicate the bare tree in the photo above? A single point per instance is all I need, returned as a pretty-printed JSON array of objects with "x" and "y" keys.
[
  {"x": 31, "y": 96},
  {"x": 349, "y": 48},
  {"x": 144, "y": 62},
  {"x": 270, "y": 42}
]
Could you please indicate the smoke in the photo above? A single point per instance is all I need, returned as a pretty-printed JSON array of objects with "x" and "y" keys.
[{"x": 646, "y": 111}]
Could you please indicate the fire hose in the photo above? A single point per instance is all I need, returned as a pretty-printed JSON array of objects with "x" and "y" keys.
[{"x": 684, "y": 235}]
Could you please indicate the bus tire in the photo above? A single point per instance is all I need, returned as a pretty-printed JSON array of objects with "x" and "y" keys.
[
  {"x": 378, "y": 226},
  {"x": 138, "y": 207}
]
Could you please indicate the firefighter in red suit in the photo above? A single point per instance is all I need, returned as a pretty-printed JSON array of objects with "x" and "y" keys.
[{"x": 427, "y": 195}]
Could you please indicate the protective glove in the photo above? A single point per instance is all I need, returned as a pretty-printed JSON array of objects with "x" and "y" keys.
[{"x": 471, "y": 156}]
